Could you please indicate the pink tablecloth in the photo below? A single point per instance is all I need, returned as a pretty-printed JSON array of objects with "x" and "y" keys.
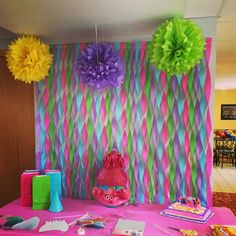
[{"x": 150, "y": 213}]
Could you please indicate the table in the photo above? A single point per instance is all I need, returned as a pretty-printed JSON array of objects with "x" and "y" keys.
[{"x": 150, "y": 213}]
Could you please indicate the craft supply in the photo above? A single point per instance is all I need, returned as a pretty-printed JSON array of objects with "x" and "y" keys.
[
  {"x": 18, "y": 223},
  {"x": 129, "y": 227},
  {"x": 81, "y": 231},
  {"x": 26, "y": 188},
  {"x": 94, "y": 222},
  {"x": 185, "y": 232},
  {"x": 55, "y": 203},
  {"x": 80, "y": 218},
  {"x": 223, "y": 230},
  {"x": 63, "y": 217},
  {"x": 7, "y": 222},
  {"x": 59, "y": 225},
  {"x": 41, "y": 192},
  {"x": 29, "y": 224},
  {"x": 55, "y": 182}
]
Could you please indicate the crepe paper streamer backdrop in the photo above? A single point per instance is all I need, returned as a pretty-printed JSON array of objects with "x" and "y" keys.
[{"x": 160, "y": 124}]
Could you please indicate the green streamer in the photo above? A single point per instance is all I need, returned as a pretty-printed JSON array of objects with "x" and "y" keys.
[
  {"x": 148, "y": 82},
  {"x": 52, "y": 131},
  {"x": 191, "y": 113},
  {"x": 149, "y": 123},
  {"x": 172, "y": 181},
  {"x": 108, "y": 101},
  {"x": 127, "y": 61},
  {"x": 89, "y": 100},
  {"x": 191, "y": 82},
  {"x": 89, "y": 129},
  {"x": 170, "y": 147},
  {"x": 170, "y": 124},
  {"x": 194, "y": 179},
  {"x": 192, "y": 144},
  {"x": 91, "y": 170},
  {"x": 151, "y": 185},
  {"x": 131, "y": 168}
]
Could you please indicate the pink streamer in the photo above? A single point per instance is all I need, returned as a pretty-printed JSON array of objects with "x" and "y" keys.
[
  {"x": 63, "y": 71},
  {"x": 103, "y": 110},
  {"x": 184, "y": 83},
  {"x": 84, "y": 134},
  {"x": 207, "y": 87},
  {"x": 83, "y": 108},
  {"x": 125, "y": 140},
  {"x": 144, "y": 128},
  {"x": 164, "y": 105},
  {"x": 186, "y": 113},
  {"x": 164, "y": 133},
  {"x": 166, "y": 177},
  {"x": 208, "y": 123},
  {"x": 123, "y": 119},
  {"x": 144, "y": 104},
  {"x": 122, "y": 49},
  {"x": 143, "y": 72},
  {"x": 46, "y": 121},
  {"x": 163, "y": 78},
  {"x": 146, "y": 174},
  {"x": 208, "y": 170},
  {"x": 45, "y": 97},
  {"x": 87, "y": 177},
  {"x": 47, "y": 149},
  {"x": 104, "y": 139},
  {"x": 123, "y": 97}
]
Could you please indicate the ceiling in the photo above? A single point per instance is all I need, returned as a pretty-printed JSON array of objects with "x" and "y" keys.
[{"x": 75, "y": 20}]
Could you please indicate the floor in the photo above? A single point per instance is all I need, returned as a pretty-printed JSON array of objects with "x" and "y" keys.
[{"x": 224, "y": 180}]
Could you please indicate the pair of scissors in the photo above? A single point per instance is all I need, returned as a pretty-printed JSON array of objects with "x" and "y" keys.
[{"x": 185, "y": 232}]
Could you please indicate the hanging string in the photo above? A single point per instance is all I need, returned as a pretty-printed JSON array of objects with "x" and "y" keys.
[{"x": 96, "y": 32}]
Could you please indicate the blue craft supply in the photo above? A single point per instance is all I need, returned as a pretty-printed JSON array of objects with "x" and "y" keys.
[
  {"x": 56, "y": 205},
  {"x": 55, "y": 184}
]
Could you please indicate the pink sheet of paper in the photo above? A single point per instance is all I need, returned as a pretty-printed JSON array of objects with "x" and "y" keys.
[{"x": 149, "y": 213}]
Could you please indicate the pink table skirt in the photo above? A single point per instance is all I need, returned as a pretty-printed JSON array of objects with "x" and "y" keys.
[{"x": 149, "y": 213}]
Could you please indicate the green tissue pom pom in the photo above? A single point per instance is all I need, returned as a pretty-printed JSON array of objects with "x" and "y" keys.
[{"x": 177, "y": 46}]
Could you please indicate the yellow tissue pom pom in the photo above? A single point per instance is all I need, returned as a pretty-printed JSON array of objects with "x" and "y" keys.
[{"x": 28, "y": 59}]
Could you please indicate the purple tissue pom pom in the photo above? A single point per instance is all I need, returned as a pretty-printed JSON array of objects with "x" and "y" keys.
[{"x": 100, "y": 66}]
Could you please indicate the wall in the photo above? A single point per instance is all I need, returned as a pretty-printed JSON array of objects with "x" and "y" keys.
[
  {"x": 223, "y": 97},
  {"x": 17, "y": 146}
]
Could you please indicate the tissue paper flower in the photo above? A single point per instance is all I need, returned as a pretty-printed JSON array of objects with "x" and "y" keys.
[
  {"x": 177, "y": 46},
  {"x": 100, "y": 66},
  {"x": 28, "y": 59}
]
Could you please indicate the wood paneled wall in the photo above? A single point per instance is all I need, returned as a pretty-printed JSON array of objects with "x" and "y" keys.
[{"x": 17, "y": 136}]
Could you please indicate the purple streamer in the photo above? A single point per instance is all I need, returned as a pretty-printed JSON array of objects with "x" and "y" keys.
[
  {"x": 174, "y": 84},
  {"x": 176, "y": 146},
  {"x": 198, "y": 146},
  {"x": 175, "y": 113},
  {"x": 197, "y": 113}
]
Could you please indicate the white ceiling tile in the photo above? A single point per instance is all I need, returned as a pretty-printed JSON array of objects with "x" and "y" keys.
[
  {"x": 74, "y": 19},
  {"x": 202, "y": 8},
  {"x": 228, "y": 9}
]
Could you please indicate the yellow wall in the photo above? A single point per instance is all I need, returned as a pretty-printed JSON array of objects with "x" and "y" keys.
[{"x": 223, "y": 97}]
